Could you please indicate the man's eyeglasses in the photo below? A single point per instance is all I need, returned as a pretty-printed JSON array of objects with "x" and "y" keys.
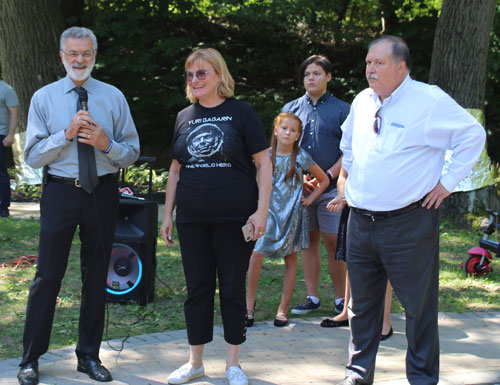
[
  {"x": 75, "y": 54},
  {"x": 200, "y": 75},
  {"x": 377, "y": 124}
]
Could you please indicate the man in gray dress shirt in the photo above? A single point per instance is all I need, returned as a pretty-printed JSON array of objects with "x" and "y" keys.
[{"x": 55, "y": 133}]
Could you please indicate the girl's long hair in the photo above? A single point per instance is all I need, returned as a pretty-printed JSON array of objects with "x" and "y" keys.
[{"x": 292, "y": 175}]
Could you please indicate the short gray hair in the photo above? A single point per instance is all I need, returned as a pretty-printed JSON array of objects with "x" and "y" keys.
[
  {"x": 77, "y": 33},
  {"x": 400, "y": 50}
]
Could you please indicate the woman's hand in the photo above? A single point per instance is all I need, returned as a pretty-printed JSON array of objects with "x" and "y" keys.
[
  {"x": 264, "y": 167},
  {"x": 166, "y": 230},
  {"x": 170, "y": 191},
  {"x": 259, "y": 222}
]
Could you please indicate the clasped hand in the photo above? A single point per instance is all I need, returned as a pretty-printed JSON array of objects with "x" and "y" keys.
[{"x": 87, "y": 130}]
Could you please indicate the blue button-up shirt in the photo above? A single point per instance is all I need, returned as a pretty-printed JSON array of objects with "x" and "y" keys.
[
  {"x": 51, "y": 110},
  {"x": 321, "y": 127}
]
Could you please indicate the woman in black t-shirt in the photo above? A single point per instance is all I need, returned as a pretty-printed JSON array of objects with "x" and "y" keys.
[{"x": 218, "y": 143}]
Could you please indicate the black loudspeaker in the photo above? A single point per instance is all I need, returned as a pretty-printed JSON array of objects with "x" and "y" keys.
[{"x": 132, "y": 267}]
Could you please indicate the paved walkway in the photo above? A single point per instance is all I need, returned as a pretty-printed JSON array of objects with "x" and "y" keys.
[
  {"x": 27, "y": 210},
  {"x": 302, "y": 353},
  {"x": 24, "y": 210}
]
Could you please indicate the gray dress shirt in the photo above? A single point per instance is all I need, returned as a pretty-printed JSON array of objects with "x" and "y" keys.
[{"x": 51, "y": 110}]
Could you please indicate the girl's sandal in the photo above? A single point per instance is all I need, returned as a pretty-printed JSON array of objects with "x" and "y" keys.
[
  {"x": 281, "y": 320},
  {"x": 250, "y": 317}
]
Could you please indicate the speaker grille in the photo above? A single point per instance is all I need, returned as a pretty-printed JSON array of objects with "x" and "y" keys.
[{"x": 125, "y": 270}]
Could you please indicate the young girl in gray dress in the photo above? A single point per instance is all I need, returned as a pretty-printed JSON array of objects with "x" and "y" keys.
[{"x": 287, "y": 222}]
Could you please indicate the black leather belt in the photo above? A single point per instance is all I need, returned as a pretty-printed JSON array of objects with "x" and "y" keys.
[
  {"x": 374, "y": 216},
  {"x": 76, "y": 182}
]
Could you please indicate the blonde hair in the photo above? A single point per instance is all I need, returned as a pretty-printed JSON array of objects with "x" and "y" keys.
[
  {"x": 292, "y": 176},
  {"x": 225, "y": 87}
]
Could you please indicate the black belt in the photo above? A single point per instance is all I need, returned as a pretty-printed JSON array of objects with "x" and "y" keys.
[
  {"x": 374, "y": 216},
  {"x": 76, "y": 182}
]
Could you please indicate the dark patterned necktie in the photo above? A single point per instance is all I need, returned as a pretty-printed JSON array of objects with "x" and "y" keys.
[{"x": 87, "y": 169}]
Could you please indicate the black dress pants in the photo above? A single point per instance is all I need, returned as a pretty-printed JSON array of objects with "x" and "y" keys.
[
  {"x": 211, "y": 251},
  {"x": 405, "y": 250},
  {"x": 63, "y": 208}
]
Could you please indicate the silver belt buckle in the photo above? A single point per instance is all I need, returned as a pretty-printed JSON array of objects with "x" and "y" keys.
[{"x": 77, "y": 183}]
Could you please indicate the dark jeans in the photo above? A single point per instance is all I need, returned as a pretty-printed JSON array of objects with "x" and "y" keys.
[
  {"x": 212, "y": 251},
  {"x": 4, "y": 177}
]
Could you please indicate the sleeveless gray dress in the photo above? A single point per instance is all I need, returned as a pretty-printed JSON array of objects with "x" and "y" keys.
[{"x": 287, "y": 224}]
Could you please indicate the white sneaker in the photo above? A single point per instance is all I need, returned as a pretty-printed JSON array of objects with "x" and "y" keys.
[
  {"x": 185, "y": 373},
  {"x": 236, "y": 376}
]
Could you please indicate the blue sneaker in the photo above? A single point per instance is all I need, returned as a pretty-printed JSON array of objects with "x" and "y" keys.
[
  {"x": 339, "y": 307},
  {"x": 306, "y": 307}
]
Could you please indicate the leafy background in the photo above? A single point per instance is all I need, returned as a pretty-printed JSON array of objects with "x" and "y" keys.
[{"x": 143, "y": 45}]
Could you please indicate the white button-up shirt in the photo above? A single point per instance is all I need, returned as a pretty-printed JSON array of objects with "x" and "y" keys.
[{"x": 402, "y": 163}]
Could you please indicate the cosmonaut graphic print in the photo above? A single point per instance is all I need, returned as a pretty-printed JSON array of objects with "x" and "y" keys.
[{"x": 206, "y": 141}]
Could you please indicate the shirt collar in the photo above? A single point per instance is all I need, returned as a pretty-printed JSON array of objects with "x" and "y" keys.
[
  {"x": 69, "y": 86},
  {"x": 395, "y": 94},
  {"x": 322, "y": 99}
]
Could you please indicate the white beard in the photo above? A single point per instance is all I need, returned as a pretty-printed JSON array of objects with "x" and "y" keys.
[{"x": 80, "y": 75}]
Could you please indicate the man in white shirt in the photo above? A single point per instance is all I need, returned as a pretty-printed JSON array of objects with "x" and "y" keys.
[{"x": 393, "y": 143}]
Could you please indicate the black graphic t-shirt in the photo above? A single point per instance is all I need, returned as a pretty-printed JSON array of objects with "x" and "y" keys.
[{"x": 215, "y": 147}]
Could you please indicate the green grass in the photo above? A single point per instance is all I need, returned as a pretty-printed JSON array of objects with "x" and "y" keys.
[{"x": 20, "y": 237}]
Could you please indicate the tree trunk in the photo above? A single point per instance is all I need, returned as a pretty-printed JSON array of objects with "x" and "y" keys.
[
  {"x": 458, "y": 66},
  {"x": 29, "y": 45},
  {"x": 461, "y": 49}
]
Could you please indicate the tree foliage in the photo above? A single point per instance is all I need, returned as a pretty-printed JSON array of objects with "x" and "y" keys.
[{"x": 143, "y": 45}]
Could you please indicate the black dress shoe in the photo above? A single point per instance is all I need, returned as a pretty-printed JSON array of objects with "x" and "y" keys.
[
  {"x": 94, "y": 369},
  {"x": 28, "y": 374},
  {"x": 383, "y": 337},
  {"x": 329, "y": 323}
]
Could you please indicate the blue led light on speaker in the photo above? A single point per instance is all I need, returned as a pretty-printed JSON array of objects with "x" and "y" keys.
[{"x": 131, "y": 255}]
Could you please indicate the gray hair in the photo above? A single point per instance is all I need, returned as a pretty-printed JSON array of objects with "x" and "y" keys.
[
  {"x": 400, "y": 50},
  {"x": 77, "y": 33}
]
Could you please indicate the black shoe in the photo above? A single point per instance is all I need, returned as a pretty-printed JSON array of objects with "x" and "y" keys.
[
  {"x": 306, "y": 307},
  {"x": 28, "y": 374},
  {"x": 94, "y": 369},
  {"x": 383, "y": 337},
  {"x": 340, "y": 307},
  {"x": 329, "y": 323},
  {"x": 4, "y": 213},
  {"x": 279, "y": 323}
]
